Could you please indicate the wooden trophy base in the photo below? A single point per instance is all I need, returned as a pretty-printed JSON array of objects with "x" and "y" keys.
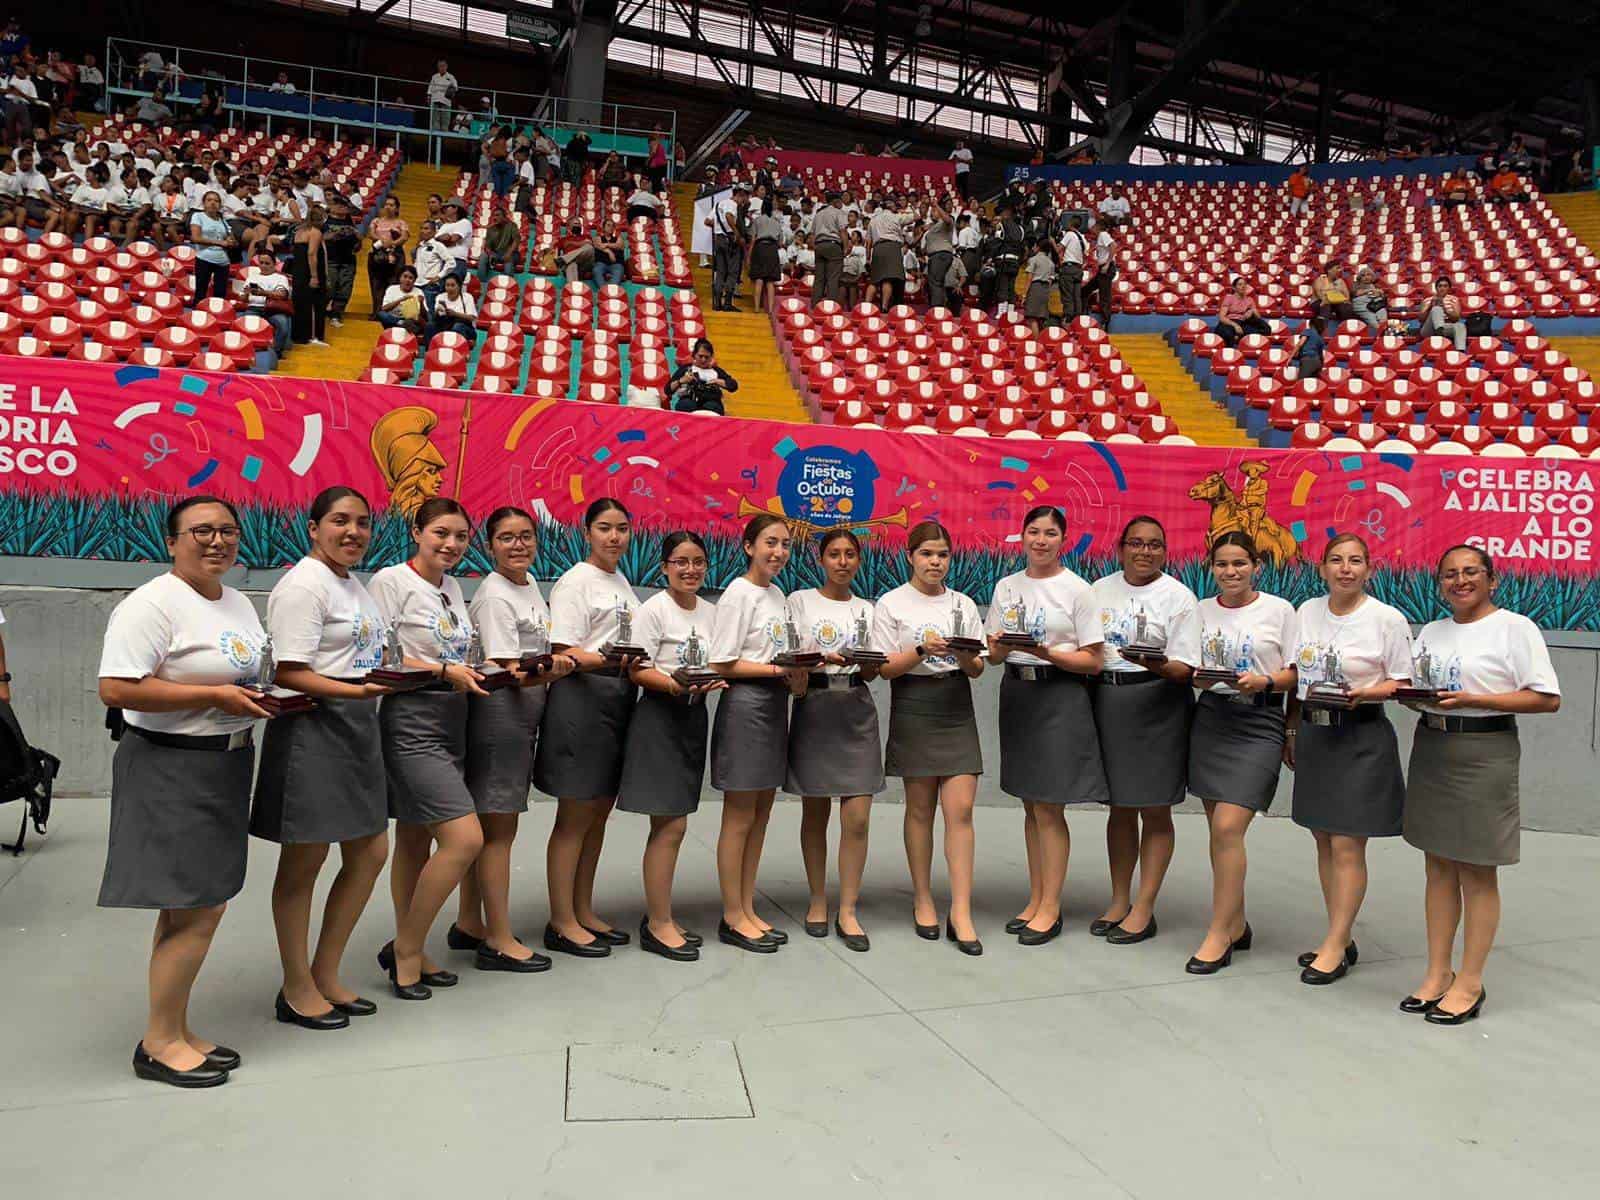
[
  {"x": 694, "y": 677},
  {"x": 1415, "y": 693},
  {"x": 1327, "y": 695},
  {"x": 402, "y": 679},
  {"x": 798, "y": 660},
  {"x": 284, "y": 704},
  {"x": 1019, "y": 641},
  {"x": 1145, "y": 656},
  {"x": 495, "y": 678},
  {"x": 1208, "y": 677},
  {"x": 866, "y": 658},
  {"x": 965, "y": 644},
  {"x": 536, "y": 664}
]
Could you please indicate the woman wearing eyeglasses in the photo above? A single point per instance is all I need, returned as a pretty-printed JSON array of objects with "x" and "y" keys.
[
  {"x": 321, "y": 779},
  {"x": 437, "y": 836},
  {"x": 1463, "y": 809},
  {"x": 511, "y": 621},
  {"x": 180, "y": 658},
  {"x": 1142, "y": 704},
  {"x": 585, "y": 728},
  {"x": 665, "y": 762}
]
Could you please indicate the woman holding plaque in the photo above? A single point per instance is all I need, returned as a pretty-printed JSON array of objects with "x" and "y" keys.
[
  {"x": 512, "y": 625},
  {"x": 833, "y": 734},
  {"x": 179, "y": 662},
  {"x": 665, "y": 761},
  {"x": 931, "y": 635},
  {"x": 1462, "y": 806},
  {"x": 1045, "y": 627},
  {"x": 437, "y": 836},
  {"x": 321, "y": 779},
  {"x": 1236, "y": 741},
  {"x": 1351, "y": 653},
  {"x": 749, "y": 738},
  {"x": 1142, "y": 703},
  {"x": 585, "y": 727}
]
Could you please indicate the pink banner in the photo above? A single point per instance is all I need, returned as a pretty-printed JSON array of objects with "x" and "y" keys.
[{"x": 800, "y": 160}]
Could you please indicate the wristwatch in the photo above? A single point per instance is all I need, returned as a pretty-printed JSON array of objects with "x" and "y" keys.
[
  {"x": 5, "y": 676},
  {"x": 922, "y": 651}
]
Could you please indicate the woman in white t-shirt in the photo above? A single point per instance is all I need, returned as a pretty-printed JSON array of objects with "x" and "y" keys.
[
  {"x": 180, "y": 663},
  {"x": 1142, "y": 706},
  {"x": 1049, "y": 754},
  {"x": 512, "y": 623},
  {"x": 1236, "y": 741},
  {"x": 834, "y": 746},
  {"x": 321, "y": 780},
  {"x": 1462, "y": 805},
  {"x": 1351, "y": 652},
  {"x": 665, "y": 761},
  {"x": 750, "y": 734},
  {"x": 437, "y": 836},
  {"x": 454, "y": 311},
  {"x": 128, "y": 208},
  {"x": 933, "y": 733},
  {"x": 585, "y": 727},
  {"x": 90, "y": 201}
]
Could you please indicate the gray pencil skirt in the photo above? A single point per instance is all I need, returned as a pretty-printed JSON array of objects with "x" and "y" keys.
[
  {"x": 1235, "y": 752},
  {"x": 834, "y": 746},
  {"x": 1462, "y": 796},
  {"x": 750, "y": 736},
  {"x": 582, "y": 736},
  {"x": 1144, "y": 741},
  {"x": 1347, "y": 779},
  {"x": 665, "y": 763},
  {"x": 321, "y": 778},
  {"x": 1049, "y": 753},
  {"x": 425, "y": 751},
  {"x": 502, "y": 729},
  {"x": 932, "y": 730}
]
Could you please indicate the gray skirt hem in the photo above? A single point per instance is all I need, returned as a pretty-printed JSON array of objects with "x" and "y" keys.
[
  {"x": 1347, "y": 780},
  {"x": 750, "y": 737},
  {"x": 1144, "y": 741},
  {"x": 1049, "y": 751},
  {"x": 834, "y": 746},
  {"x": 933, "y": 732},
  {"x": 1463, "y": 799},
  {"x": 424, "y": 753}
]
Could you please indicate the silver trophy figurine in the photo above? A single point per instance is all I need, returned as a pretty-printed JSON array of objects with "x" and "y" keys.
[
  {"x": 538, "y": 658},
  {"x": 1330, "y": 691},
  {"x": 861, "y": 650},
  {"x": 394, "y": 656},
  {"x": 791, "y": 655},
  {"x": 958, "y": 639},
  {"x": 1015, "y": 627},
  {"x": 275, "y": 702},
  {"x": 494, "y": 676},
  {"x": 267, "y": 671},
  {"x": 622, "y": 646},
  {"x": 1213, "y": 662},
  {"x": 1422, "y": 686},
  {"x": 392, "y": 671},
  {"x": 696, "y": 670},
  {"x": 475, "y": 657},
  {"x": 1142, "y": 649}
]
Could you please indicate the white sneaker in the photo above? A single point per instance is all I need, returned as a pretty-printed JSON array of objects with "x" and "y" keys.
[
  {"x": 316, "y": 342},
  {"x": 336, "y": 322}
]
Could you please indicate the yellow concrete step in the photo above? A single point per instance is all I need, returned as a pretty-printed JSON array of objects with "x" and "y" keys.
[
  {"x": 1581, "y": 213},
  {"x": 1584, "y": 352},
  {"x": 1185, "y": 401}
]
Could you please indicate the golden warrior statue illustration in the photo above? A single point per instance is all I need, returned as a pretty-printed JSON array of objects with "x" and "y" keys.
[
  {"x": 1245, "y": 511},
  {"x": 411, "y": 464}
]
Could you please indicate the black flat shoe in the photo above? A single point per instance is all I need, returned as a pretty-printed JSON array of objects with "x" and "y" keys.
[
  {"x": 223, "y": 1059},
  {"x": 1122, "y": 937},
  {"x": 1210, "y": 966},
  {"x": 1101, "y": 927},
  {"x": 403, "y": 991},
  {"x": 1352, "y": 955},
  {"x": 555, "y": 940},
  {"x": 359, "y": 1007},
  {"x": 332, "y": 1019},
  {"x": 974, "y": 947},
  {"x": 1038, "y": 937},
  {"x": 611, "y": 937},
  {"x": 776, "y": 935},
  {"x": 728, "y": 935},
  {"x": 487, "y": 958},
  {"x": 651, "y": 944},
  {"x": 817, "y": 929},
  {"x": 203, "y": 1076},
  {"x": 1439, "y": 1017},
  {"x": 1245, "y": 939},
  {"x": 1016, "y": 925},
  {"x": 1318, "y": 978},
  {"x": 459, "y": 939},
  {"x": 852, "y": 941},
  {"x": 693, "y": 938},
  {"x": 927, "y": 932},
  {"x": 1416, "y": 1004}
]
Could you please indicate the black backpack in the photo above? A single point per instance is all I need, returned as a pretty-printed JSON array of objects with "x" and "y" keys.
[{"x": 26, "y": 774}]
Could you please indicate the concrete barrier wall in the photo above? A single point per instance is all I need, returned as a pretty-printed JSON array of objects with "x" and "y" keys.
[{"x": 53, "y": 636}]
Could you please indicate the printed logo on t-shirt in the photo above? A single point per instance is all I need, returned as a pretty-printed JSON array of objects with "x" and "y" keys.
[
  {"x": 1428, "y": 670},
  {"x": 450, "y": 635},
  {"x": 776, "y": 632},
  {"x": 927, "y": 633},
  {"x": 240, "y": 649},
  {"x": 1121, "y": 626},
  {"x": 829, "y": 635},
  {"x": 367, "y": 636},
  {"x": 1224, "y": 651},
  {"x": 1318, "y": 663}
]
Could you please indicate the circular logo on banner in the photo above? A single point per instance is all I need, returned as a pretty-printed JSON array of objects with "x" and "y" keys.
[{"x": 825, "y": 485}]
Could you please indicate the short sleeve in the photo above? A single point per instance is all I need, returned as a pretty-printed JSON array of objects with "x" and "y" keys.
[
  {"x": 1396, "y": 646},
  {"x": 733, "y": 618},
  {"x": 970, "y": 617},
  {"x": 138, "y": 637},
  {"x": 1183, "y": 640},
  {"x": 295, "y": 615},
  {"x": 1530, "y": 660},
  {"x": 992, "y": 623},
  {"x": 885, "y": 629},
  {"x": 389, "y": 598},
  {"x": 1086, "y": 627},
  {"x": 496, "y": 622},
  {"x": 647, "y": 630},
  {"x": 569, "y": 615}
]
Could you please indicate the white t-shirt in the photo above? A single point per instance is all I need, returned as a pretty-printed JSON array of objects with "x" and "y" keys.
[
  {"x": 1370, "y": 645},
  {"x": 1256, "y": 638},
  {"x": 269, "y": 282},
  {"x": 511, "y": 619},
  {"x": 662, "y": 627},
  {"x": 1502, "y": 652},
  {"x": 28, "y": 183},
  {"x": 133, "y": 198},
  {"x": 460, "y": 308},
  {"x": 432, "y": 622},
  {"x": 1170, "y": 611},
  {"x": 441, "y": 86},
  {"x": 327, "y": 621},
  {"x": 584, "y": 606},
  {"x": 1060, "y": 611},
  {"x": 1116, "y": 206},
  {"x": 1102, "y": 249},
  {"x": 463, "y": 230},
  {"x": 905, "y": 618},
  {"x": 962, "y": 158},
  {"x": 90, "y": 197},
  {"x": 169, "y": 630},
  {"x": 830, "y": 626},
  {"x": 750, "y": 623}
]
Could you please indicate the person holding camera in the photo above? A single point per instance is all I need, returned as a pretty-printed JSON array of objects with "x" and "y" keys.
[{"x": 698, "y": 385}]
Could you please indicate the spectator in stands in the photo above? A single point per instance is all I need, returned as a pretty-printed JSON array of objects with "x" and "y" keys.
[
  {"x": 151, "y": 68},
  {"x": 680, "y": 160},
  {"x": 404, "y": 304},
  {"x": 854, "y": 268},
  {"x": 128, "y": 206},
  {"x": 1104, "y": 251},
  {"x": 643, "y": 203},
  {"x": 1006, "y": 257},
  {"x": 1041, "y": 268},
  {"x": 939, "y": 244},
  {"x": 1442, "y": 315},
  {"x": 207, "y": 113},
  {"x": 170, "y": 212},
  {"x": 1237, "y": 315},
  {"x": 87, "y": 212},
  {"x": 1369, "y": 302},
  {"x": 969, "y": 243},
  {"x": 763, "y": 267},
  {"x": 609, "y": 255},
  {"x": 655, "y": 161},
  {"x": 20, "y": 95},
  {"x": 342, "y": 240},
  {"x": 455, "y": 235},
  {"x": 827, "y": 241},
  {"x": 1308, "y": 355},
  {"x": 699, "y": 384},
  {"x": 502, "y": 246},
  {"x": 575, "y": 160},
  {"x": 886, "y": 237},
  {"x": 13, "y": 41},
  {"x": 27, "y": 192},
  {"x": 1115, "y": 210},
  {"x": 495, "y": 160},
  {"x": 613, "y": 174},
  {"x": 212, "y": 240},
  {"x": 1071, "y": 250},
  {"x": 1516, "y": 155},
  {"x": 91, "y": 87},
  {"x": 442, "y": 89},
  {"x": 727, "y": 221},
  {"x": 386, "y": 255},
  {"x": 1332, "y": 292},
  {"x": 153, "y": 110},
  {"x": 1456, "y": 189},
  {"x": 308, "y": 278},
  {"x": 576, "y": 259},
  {"x": 1300, "y": 190},
  {"x": 266, "y": 293},
  {"x": 454, "y": 311},
  {"x": 1506, "y": 187},
  {"x": 249, "y": 229},
  {"x": 281, "y": 85}
]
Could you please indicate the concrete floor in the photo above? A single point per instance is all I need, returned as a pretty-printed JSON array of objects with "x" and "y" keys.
[{"x": 1079, "y": 1069}]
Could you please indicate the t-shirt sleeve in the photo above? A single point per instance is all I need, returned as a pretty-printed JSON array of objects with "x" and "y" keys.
[
  {"x": 647, "y": 630},
  {"x": 1183, "y": 642},
  {"x": 389, "y": 598},
  {"x": 496, "y": 622},
  {"x": 1530, "y": 660},
  {"x": 1290, "y": 637},
  {"x": 138, "y": 636},
  {"x": 1396, "y": 646},
  {"x": 885, "y": 630},
  {"x": 1086, "y": 627},
  {"x": 733, "y": 618},
  {"x": 569, "y": 617},
  {"x": 993, "y": 623},
  {"x": 294, "y": 618}
]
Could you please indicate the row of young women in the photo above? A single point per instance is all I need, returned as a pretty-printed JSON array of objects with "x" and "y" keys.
[{"x": 612, "y": 721}]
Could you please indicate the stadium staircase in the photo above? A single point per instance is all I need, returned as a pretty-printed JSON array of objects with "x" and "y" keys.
[
  {"x": 1190, "y": 406},
  {"x": 746, "y": 347},
  {"x": 1581, "y": 212}
]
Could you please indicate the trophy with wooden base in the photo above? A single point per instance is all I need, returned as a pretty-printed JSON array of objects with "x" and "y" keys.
[
  {"x": 1424, "y": 695},
  {"x": 1331, "y": 693},
  {"x": 538, "y": 660},
  {"x": 861, "y": 652},
  {"x": 1014, "y": 625},
  {"x": 278, "y": 702},
  {"x": 492, "y": 677},
  {"x": 1211, "y": 672},
  {"x": 392, "y": 671},
  {"x": 791, "y": 656},
  {"x": 623, "y": 646},
  {"x": 694, "y": 671},
  {"x": 959, "y": 639},
  {"x": 1143, "y": 650}
]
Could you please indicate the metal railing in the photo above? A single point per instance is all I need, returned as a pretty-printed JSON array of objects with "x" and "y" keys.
[{"x": 380, "y": 104}]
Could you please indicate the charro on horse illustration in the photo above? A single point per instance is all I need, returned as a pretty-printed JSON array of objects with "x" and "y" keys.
[{"x": 1247, "y": 514}]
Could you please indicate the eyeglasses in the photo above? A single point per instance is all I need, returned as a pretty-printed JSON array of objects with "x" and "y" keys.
[
  {"x": 205, "y": 534},
  {"x": 1466, "y": 573},
  {"x": 1137, "y": 546},
  {"x": 517, "y": 539},
  {"x": 687, "y": 564}
]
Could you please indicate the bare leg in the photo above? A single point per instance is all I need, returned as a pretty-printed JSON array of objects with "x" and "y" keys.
[
  {"x": 588, "y": 864},
  {"x": 1228, "y": 824},
  {"x": 1441, "y": 904},
  {"x": 493, "y": 871},
  {"x": 660, "y": 862},
  {"x": 412, "y": 846},
  {"x": 1122, "y": 853},
  {"x": 469, "y": 901},
  {"x": 1480, "y": 892},
  {"x": 922, "y": 797},
  {"x": 814, "y": 813},
  {"x": 459, "y": 841},
  {"x": 752, "y": 859},
  {"x": 1155, "y": 856},
  {"x": 855, "y": 818},
  {"x": 1325, "y": 867},
  {"x": 1030, "y": 843},
  {"x": 738, "y": 819},
  {"x": 298, "y": 866},
  {"x": 1054, "y": 848},
  {"x": 1349, "y": 889},
  {"x": 182, "y": 939},
  {"x": 956, "y": 798},
  {"x": 562, "y": 856},
  {"x": 361, "y": 863}
]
